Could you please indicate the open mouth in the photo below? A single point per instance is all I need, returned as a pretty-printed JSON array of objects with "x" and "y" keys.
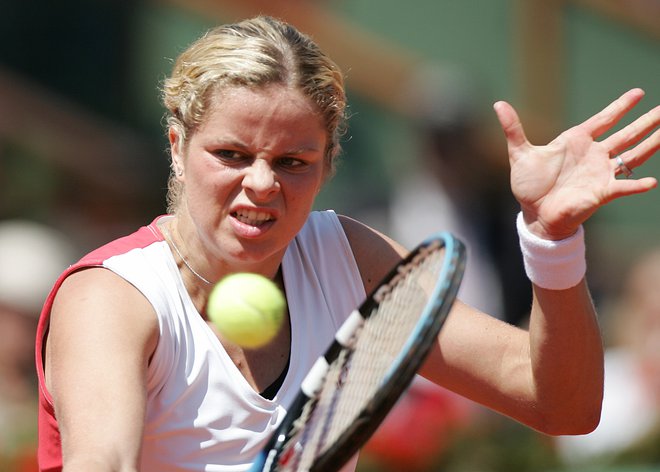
[{"x": 252, "y": 217}]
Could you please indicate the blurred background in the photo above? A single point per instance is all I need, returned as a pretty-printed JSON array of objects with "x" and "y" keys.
[{"x": 83, "y": 160}]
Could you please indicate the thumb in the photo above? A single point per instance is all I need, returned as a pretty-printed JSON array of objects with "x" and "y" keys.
[{"x": 513, "y": 130}]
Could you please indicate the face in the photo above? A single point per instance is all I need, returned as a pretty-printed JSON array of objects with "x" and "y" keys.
[{"x": 251, "y": 173}]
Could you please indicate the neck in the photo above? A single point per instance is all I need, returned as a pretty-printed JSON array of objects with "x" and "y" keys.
[
  {"x": 174, "y": 240},
  {"x": 197, "y": 278}
]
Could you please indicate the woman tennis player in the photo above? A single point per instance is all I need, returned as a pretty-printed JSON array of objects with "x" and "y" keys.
[{"x": 133, "y": 376}]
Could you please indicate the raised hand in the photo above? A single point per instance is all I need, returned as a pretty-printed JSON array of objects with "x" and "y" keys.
[{"x": 560, "y": 185}]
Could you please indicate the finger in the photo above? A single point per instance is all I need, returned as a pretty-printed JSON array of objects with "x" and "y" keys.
[
  {"x": 624, "y": 188},
  {"x": 638, "y": 155},
  {"x": 641, "y": 153},
  {"x": 604, "y": 120},
  {"x": 511, "y": 125},
  {"x": 633, "y": 132}
]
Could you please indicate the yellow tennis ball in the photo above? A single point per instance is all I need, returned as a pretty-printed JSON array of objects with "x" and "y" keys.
[{"x": 247, "y": 309}]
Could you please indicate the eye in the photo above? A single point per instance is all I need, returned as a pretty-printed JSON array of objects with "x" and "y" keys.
[
  {"x": 229, "y": 156},
  {"x": 292, "y": 163}
]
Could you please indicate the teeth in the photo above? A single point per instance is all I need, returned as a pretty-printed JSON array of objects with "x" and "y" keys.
[{"x": 252, "y": 217}]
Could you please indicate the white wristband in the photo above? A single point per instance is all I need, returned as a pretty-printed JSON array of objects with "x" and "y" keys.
[{"x": 555, "y": 265}]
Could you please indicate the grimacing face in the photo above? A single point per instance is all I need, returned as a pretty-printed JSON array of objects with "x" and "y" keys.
[{"x": 251, "y": 173}]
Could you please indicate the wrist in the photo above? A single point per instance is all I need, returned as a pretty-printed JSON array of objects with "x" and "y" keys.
[
  {"x": 550, "y": 264},
  {"x": 537, "y": 228}
]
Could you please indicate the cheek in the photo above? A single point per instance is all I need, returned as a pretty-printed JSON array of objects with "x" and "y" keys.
[
  {"x": 208, "y": 187},
  {"x": 302, "y": 192}
]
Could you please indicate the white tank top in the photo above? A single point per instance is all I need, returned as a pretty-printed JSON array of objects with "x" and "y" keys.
[{"x": 201, "y": 412}]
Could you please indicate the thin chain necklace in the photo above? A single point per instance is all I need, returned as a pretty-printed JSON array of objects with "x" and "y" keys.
[{"x": 171, "y": 240}]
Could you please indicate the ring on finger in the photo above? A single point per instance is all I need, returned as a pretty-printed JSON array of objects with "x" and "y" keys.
[{"x": 623, "y": 167}]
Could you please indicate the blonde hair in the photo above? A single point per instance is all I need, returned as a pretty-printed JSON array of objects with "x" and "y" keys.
[{"x": 252, "y": 53}]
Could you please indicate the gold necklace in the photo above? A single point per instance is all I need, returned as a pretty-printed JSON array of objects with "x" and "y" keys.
[{"x": 169, "y": 238}]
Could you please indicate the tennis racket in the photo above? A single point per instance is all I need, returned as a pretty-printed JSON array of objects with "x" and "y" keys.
[{"x": 372, "y": 361}]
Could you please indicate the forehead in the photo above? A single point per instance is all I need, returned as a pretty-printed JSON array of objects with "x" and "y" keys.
[
  {"x": 271, "y": 110},
  {"x": 264, "y": 99}
]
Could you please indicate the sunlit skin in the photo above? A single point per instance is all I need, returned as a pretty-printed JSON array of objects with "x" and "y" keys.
[
  {"x": 560, "y": 185},
  {"x": 262, "y": 151},
  {"x": 258, "y": 150}
]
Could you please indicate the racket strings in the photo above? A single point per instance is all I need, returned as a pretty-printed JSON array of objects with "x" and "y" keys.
[
  {"x": 357, "y": 374},
  {"x": 317, "y": 429},
  {"x": 381, "y": 341},
  {"x": 306, "y": 434},
  {"x": 292, "y": 449}
]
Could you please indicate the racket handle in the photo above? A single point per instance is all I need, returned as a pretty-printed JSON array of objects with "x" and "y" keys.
[
  {"x": 268, "y": 456},
  {"x": 260, "y": 461}
]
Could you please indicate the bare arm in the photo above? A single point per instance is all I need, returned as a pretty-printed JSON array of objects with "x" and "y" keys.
[
  {"x": 549, "y": 378},
  {"x": 374, "y": 252},
  {"x": 102, "y": 333}
]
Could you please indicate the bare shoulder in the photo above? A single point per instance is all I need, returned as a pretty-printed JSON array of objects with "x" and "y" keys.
[
  {"x": 97, "y": 313},
  {"x": 96, "y": 293},
  {"x": 374, "y": 252}
]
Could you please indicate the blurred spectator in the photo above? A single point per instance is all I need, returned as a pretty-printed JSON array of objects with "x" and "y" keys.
[
  {"x": 31, "y": 257},
  {"x": 457, "y": 185},
  {"x": 629, "y": 431}
]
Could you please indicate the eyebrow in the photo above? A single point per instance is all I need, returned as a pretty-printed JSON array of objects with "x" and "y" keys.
[{"x": 242, "y": 146}]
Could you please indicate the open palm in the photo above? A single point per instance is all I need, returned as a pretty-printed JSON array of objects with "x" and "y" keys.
[{"x": 561, "y": 184}]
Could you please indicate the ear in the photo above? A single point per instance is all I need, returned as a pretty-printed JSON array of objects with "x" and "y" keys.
[
  {"x": 176, "y": 145},
  {"x": 321, "y": 185}
]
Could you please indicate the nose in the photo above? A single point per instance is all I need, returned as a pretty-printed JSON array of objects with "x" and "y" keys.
[{"x": 261, "y": 179}]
